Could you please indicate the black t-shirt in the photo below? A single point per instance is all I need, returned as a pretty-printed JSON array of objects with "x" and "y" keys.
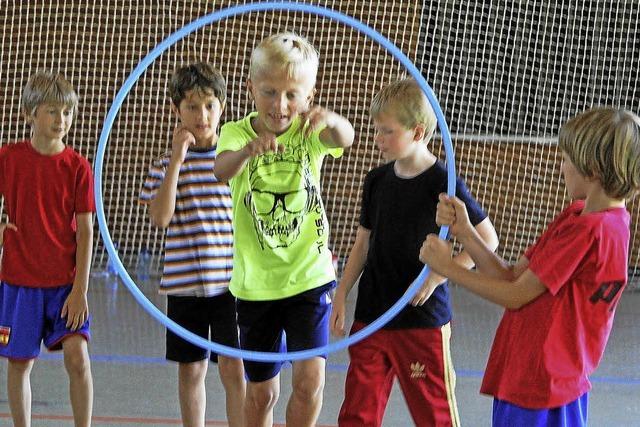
[{"x": 400, "y": 212}]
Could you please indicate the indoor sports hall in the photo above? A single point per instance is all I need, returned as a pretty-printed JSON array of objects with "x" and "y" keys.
[{"x": 507, "y": 75}]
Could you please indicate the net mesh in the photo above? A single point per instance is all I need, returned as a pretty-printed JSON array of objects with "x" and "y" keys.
[{"x": 507, "y": 76}]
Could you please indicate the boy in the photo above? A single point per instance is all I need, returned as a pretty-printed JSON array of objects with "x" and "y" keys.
[
  {"x": 47, "y": 245},
  {"x": 560, "y": 297},
  {"x": 398, "y": 208},
  {"x": 282, "y": 268},
  {"x": 195, "y": 208}
]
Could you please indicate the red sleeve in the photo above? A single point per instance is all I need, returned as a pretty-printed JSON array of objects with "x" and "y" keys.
[
  {"x": 528, "y": 253},
  {"x": 84, "y": 188},
  {"x": 3, "y": 169},
  {"x": 559, "y": 253}
]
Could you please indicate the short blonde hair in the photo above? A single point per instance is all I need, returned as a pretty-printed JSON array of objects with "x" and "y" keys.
[
  {"x": 405, "y": 100},
  {"x": 605, "y": 143},
  {"x": 48, "y": 87},
  {"x": 288, "y": 50}
]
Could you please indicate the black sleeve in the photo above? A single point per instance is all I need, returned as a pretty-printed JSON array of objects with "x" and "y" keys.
[{"x": 476, "y": 214}]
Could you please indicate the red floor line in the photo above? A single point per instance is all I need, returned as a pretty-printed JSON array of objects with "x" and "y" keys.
[{"x": 131, "y": 420}]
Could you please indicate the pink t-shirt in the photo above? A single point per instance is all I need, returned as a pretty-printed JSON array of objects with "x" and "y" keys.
[
  {"x": 42, "y": 195},
  {"x": 544, "y": 352}
]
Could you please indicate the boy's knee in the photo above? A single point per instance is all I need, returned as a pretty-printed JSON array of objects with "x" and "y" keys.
[
  {"x": 262, "y": 397},
  {"x": 193, "y": 371},
  {"x": 308, "y": 387},
  {"x": 76, "y": 356},
  {"x": 231, "y": 370},
  {"x": 77, "y": 364},
  {"x": 20, "y": 366}
]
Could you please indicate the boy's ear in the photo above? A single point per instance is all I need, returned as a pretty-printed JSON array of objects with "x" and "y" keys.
[
  {"x": 175, "y": 109},
  {"x": 419, "y": 132},
  {"x": 250, "y": 88},
  {"x": 27, "y": 116},
  {"x": 310, "y": 97}
]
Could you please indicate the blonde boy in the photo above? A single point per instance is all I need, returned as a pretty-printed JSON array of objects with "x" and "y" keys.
[
  {"x": 560, "y": 297},
  {"x": 398, "y": 209},
  {"x": 47, "y": 248},
  {"x": 282, "y": 269}
]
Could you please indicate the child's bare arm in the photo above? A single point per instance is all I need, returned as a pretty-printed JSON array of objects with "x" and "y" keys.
[
  {"x": 163, "y": 205},
  {"x": 76, "y": 308},
  {"x": 230, "y": 163},
  {"x": 4, "y": 227},
  {"x": 352, "y": 271},
  {"x": 338, "y": 133},
  {"x": 453, "y": 212},
  {"x": 487, "y": 233},
  {"x": 509, "y": 293}
]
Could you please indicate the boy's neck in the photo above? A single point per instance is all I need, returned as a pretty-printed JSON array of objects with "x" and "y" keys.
[
  {"x": 47, "y": 147},
  {"x": 418, "y": 161},
  {"x": 206, "y": 143},
  {"x": 598, "y": 200}
]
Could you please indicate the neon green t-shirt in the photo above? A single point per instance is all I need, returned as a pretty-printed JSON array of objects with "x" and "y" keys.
[{"x": 280, "y": 225}]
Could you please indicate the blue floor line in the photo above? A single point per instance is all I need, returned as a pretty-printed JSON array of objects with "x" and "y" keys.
[{"x": 331, "y": 367}]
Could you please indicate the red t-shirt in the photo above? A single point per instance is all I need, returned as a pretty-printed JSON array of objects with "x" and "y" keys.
[
  {"x": 42, "y": 194},
  {"x": 543, "y": 353}
]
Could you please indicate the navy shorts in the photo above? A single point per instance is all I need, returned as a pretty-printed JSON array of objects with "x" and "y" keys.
[
  {"x": 209, "y": 317},
  {"x": 29, "y": 316},
  {"x": 573, "y": 414},
  {"x": 300, "y": 322}
]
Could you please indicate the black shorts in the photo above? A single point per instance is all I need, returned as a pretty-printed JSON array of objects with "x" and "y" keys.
[
  {"x": 300, "y": 322},
  {"x": 209, "y": 317}
]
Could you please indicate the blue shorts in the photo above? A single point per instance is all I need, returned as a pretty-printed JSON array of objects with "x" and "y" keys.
[
  {"x": 573, "y": 414},
  {"x": 29, "y": 316},
  {"x": 304, "y": 318}
]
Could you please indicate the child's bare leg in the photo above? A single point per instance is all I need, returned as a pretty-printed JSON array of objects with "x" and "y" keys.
[
  {"x": 232, "y": 377},
  {"x": 259, "y": 403},
  {"x": 192, "y": 392},
  {"x": 306, "y": 399},
  {"x": 76, "y": 361},
  {"x": 19, "y": 391}
]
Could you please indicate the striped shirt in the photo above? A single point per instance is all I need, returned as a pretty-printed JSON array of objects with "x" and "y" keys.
[{"x": 198, "y": 255}]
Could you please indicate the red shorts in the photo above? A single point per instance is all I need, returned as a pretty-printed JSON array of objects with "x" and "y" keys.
[{"x": 419, "y": 358}]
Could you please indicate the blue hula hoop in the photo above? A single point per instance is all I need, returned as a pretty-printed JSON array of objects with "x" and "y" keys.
[{"x": 106, "y": 130}]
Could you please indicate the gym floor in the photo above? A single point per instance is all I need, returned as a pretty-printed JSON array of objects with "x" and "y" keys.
[{"x": 134, "y": 385}]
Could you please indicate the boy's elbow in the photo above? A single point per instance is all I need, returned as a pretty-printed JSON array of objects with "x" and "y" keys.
[
  {"x": 513, "y": 305},
  {"x": 488, "y": 234},
  {"x": 350, "y": 137},
  {"x": 159, "y": 222},
  {"x": 157, "y": 219},
  {"x": 519, "y": 300},
  {"x": 84, "y": 234},
  {"x": 220, "y": 176},
  {"x": 84, "y": 228},
  {"x": 222, "y": 169}
]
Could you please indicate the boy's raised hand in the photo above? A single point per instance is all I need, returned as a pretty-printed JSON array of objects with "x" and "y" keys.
[
  {"x": 264, "y": 143},
  {"x": 75, "y": 309},
  {"x": 452, "y": 211},
  {"x": 3, "y": 227},
  {"x": 316, "y": 117},
  {"x": 182, "y": 139},
  {"x": 436, "y": 253}
]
